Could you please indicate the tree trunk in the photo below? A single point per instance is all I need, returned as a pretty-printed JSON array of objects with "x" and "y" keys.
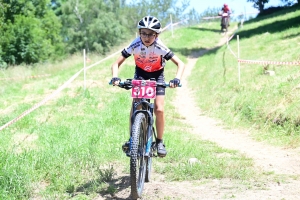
[{"x": 261, "y": 6}]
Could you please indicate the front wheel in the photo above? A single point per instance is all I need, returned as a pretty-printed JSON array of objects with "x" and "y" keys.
[
  {"x": 224, "y": 24},
  {"x": 137, "y": 160}
]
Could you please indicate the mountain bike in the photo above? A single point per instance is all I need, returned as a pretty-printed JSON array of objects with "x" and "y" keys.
[
  {"x": 224, "y": 22},
  {"x": 142, "y": 146}
]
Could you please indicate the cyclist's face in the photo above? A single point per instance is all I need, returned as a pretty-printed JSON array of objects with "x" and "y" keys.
[{"x": 147, "y": 36}]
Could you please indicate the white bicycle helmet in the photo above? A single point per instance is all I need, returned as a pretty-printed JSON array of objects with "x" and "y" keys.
[{"x": 151, "y": 23}]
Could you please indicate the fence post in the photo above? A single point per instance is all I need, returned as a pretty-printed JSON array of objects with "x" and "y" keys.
[
  {"x": 239, "y": 66},
  {"x": 171, "y": 24},
  {"x": 84, "y": 70}
]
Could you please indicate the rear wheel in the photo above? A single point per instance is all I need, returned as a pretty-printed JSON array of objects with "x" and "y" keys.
[{"x": 137, "y": 160}]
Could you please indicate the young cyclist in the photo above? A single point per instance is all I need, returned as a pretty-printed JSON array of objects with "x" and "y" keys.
[
  {"x": 150, "y": 56},
  {"x": 226, "y": 9}
]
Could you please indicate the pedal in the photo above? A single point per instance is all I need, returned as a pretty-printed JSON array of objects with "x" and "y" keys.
[{"x": 125, "y": 149}]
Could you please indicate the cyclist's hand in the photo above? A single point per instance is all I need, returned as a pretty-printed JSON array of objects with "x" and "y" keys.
[
  {"x": 174, "y": 83},
  {"x": 115, "y": 81}
]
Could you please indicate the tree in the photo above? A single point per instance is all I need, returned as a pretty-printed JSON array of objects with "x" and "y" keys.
[
  {"x": 259, "y": 4},
  {"x": 93, "y": 25},
  {"x": 289, "y": 2},
  {"x": 162, "y": 9},
  {"x": 30, "y": 32}
]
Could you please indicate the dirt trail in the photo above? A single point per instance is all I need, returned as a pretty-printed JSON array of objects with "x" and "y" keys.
[{"x": 266, "y": 157}]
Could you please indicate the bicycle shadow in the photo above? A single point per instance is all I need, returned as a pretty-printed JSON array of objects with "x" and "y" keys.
[
  {"x": 121, "y": 185},
  {"x": 116, "y": 189}
]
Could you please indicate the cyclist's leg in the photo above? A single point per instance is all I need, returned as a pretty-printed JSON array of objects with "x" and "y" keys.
[
  {"x": 159, "y": 107},
  {"x": 160, "y": 124},
  {"x": 160, "y": 117}
]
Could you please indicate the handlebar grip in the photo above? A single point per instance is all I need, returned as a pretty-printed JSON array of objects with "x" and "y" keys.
[
  {"x": 121, "y": 83},
  {"x": 168, "y": 85}
]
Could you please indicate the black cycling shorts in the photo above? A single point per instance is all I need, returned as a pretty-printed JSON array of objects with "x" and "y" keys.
[{"x": 158, "y": 75}]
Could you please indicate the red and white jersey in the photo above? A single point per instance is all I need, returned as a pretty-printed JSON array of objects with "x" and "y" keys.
[
  {"x": 149, "y": 59},
  {"x": 226, "y": 9}
]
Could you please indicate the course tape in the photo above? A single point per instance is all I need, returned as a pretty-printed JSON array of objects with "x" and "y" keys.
[
  {"x": 228, "y": 39},
  {"x": 174, "y": 24},
  {"x": 18, "y": 78},
  {"x": 215, "y": 17},
  {"x": 42, "y": 102},
  {"x": 268, "y": 62},
  {"x": 257, "y": 61}
]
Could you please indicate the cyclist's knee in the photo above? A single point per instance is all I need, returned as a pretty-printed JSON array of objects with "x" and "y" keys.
[{"x": 159, "y": 111}]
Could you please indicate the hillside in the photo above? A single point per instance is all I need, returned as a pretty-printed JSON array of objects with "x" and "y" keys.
[
  {"x": 244, "y": 134},
  {"x": 248, "y": 96}
]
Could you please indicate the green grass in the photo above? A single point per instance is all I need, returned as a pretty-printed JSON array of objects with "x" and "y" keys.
[{"x": 71, "y": 146}]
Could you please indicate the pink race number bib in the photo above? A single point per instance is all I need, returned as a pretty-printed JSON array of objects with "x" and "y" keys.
[{"x": 143, "y": 89}]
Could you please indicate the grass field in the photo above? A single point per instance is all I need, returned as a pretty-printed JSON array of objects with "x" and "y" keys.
[{"x": 71, "y": 145}]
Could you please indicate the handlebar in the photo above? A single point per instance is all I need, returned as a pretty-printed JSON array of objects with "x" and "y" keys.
[{"x": 128, "y": 82}]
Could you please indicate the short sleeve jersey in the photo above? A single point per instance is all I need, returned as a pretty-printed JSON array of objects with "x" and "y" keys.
[
  {"x": 149, "y": 59},
  {"x": 226, "y": 10}
]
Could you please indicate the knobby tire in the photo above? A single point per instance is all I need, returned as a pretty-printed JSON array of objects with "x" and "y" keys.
[
  {"x": 137, "y": 160},
  {"x": 224, "y": 25}
]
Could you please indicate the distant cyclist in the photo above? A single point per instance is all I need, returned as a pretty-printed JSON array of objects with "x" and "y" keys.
[
  {"x": 150, "y": 55},
  {"x": 226, "y": 9}
]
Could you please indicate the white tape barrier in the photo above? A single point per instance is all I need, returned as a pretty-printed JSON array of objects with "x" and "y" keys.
[
  {"x": 215, "y": 17},
  {"x": 258, "y": 61},
  {"x": 228, "y": 39},
  {"x": 112, "y": 55},
  {"x": 268, "y": 62},
  {"x": 25, "y": 77},
  {"x": 174, "y": 24},
  {"x": 42, "y": 102}
]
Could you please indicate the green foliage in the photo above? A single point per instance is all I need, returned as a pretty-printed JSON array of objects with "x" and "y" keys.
[
  {"x": 162, "y": 9},
  {"x": 211, "y": 12},
  {"x": 30, "y": 33},
  {"x": 194, "y": 17},
  {"x": 259, "y": 4},
  {"x": 24, "y": 41},
  {"x": 289, "y": 2},
  {"x": 37, "y": 31},
  {"x": 91, "y": 25}
]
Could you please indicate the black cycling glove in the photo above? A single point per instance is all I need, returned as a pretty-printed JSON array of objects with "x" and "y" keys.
[
  {"x": 175, "y": 82},
  {"x": 127, "y": 87},
  {"x": 114, "y": 79}
]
